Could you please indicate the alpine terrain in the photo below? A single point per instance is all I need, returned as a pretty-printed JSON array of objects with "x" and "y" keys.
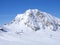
[{"x": 33, "y": 27}]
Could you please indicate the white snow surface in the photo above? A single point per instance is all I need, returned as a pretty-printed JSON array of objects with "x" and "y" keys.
[{"x": 33, "y": 27}]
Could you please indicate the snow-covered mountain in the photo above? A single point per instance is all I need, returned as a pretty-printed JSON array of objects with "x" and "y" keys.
[{"x": 33, "y": 27}]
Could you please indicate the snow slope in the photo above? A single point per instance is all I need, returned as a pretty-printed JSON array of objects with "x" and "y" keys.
[{"x": 33, "y": 27}]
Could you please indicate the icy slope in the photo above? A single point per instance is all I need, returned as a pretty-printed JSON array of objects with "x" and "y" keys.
[{"x": 33, "y": 27}]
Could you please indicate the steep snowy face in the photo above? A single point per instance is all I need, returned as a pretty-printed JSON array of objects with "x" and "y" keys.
[{"x": 35, "y": 20}]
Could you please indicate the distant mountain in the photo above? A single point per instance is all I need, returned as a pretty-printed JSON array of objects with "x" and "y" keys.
[{"x": 33, "y": 27}]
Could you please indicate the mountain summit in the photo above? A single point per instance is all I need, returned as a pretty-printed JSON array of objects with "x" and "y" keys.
[
  {"x": 31, "y": 25},
  {"x": 35, "y": 20}
]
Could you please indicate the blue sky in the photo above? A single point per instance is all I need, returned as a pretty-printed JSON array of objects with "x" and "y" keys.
[{"x": 10, "y": 8}]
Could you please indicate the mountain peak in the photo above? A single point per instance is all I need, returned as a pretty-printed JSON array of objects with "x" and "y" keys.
[
  {"x": 36, "y": 20},
  {"x": 32, "y": 11}
]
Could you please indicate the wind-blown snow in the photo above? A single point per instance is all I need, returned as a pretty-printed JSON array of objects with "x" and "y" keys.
[{"x": 33, "y": 27}]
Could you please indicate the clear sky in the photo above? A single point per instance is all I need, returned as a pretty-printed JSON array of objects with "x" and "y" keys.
[{"x": 10, "y": 8}]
